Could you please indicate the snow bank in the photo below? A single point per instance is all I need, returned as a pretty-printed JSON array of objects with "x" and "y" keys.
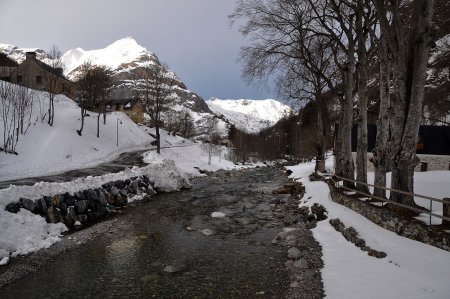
[
  {"x": 46, "y": 150},
  {"x": 26, "y": 232},
  {"x": 410, "y": 270}
]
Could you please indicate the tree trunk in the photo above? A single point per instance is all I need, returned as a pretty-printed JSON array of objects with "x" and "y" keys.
[
  {"x": 82, "y": 122},
  {"x": 158, "y": 138},
  {"x": 344, "y": 160},
  {"x": 98, "y": 124},
  {"x": 381, "y": 156},
  {"x": 361, "y": 151},
  {"x": 320, "y": 136},
  {"x": 416, "y": 69}
]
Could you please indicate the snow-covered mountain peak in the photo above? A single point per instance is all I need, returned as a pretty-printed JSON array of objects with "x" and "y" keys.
[
  {"x": 249, "y": 115},
  {"x": 115, "y": 56}
]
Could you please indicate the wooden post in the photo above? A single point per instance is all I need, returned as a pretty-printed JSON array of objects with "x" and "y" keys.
[{"x": 446, "y": 211}]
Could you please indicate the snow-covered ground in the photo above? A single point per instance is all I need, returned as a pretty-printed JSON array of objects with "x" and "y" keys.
[
  {"x": 410, "y": 270},
  {"x": 45, "y": 150},
  {"x": 48, "y": 150}
]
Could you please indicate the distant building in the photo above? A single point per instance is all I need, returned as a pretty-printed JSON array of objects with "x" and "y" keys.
[
  {"x": 7, "y": 66},
  {"x": 131, "y": 107},
  {"x": 34, "y": 73},
  {"x": 433, "y": 147}
]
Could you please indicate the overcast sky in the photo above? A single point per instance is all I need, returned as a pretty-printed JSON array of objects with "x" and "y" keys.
[{"x": 192, "y": 36}]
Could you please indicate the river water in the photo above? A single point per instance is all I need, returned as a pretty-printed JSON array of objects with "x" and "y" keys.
[{"x": 171, "y": 247}]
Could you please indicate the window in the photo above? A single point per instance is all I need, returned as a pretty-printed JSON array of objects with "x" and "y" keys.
[
  {"x": 38, "y": 79},
  {"x": 19, "y": 79}
]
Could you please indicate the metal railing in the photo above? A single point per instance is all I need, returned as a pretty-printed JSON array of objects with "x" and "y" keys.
[{"x": 415, "y": 209}]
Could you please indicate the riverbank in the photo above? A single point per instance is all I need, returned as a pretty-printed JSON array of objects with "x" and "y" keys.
[{"x": 216, "y": 240}]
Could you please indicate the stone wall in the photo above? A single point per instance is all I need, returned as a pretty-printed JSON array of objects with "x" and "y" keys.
[
  {"x": 87, "y": 206},
  {"x": 412, "y": 229},
  {"x": 434, "y": 162}
]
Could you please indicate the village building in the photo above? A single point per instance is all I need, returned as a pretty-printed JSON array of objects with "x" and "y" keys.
[
  {"x": 433, "y": 147},
  {"x": 7, "y": 66},
  {"x": 34, "y": 74},
  {"x": 131, "y": 107}
]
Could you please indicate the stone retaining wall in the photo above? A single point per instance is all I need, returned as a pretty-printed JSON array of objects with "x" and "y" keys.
[
  {"x": 89, "y": 205},
  {"x": 434, "y": 162},
  {"x": 412, "y": 229}
]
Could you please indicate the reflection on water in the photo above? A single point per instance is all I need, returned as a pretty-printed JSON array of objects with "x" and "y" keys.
[{"x": 150, "y": 240}]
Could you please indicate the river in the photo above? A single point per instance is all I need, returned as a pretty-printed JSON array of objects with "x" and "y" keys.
[{"x": 171, "y": 247}]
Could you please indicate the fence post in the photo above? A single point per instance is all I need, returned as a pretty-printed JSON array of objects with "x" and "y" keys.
[{"x": 446, "y": 211}]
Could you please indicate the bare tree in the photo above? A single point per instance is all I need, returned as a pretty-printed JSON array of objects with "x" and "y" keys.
[
  {"x": 179, "y": 122},
  {"x": 24, "y": 102},
  {"x": 16, "y": 104},
  {"x": 408, "y": 43},
  {"x": 211, "y": 127},
  {"x": 50, "y": 81},
  {"x": 154, "y": 88},
  {"x": 102, "y": 87},
  {"x": 84, "y": 92},
  {"x": 94, "y": 86},
  {"x": 284, "y": 40}
]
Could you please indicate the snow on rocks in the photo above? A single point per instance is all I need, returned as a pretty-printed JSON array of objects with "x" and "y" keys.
[
  {"x": 218, "y": 215},
  {"x": 63, "y": 204}
]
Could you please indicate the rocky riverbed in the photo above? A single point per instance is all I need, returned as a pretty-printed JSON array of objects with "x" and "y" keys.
[{"x": 234, "y": 234}]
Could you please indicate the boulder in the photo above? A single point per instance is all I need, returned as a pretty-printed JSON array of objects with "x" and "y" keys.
[
  {"x": 81, "y": 207},
  {"x": 56, "y": 200},
  {"x": 119, "y": 184},
  {"x": 109, "y": 198},
  {"x": 294, "y": 253},
  {"x": 27, "y": 204},
  {"x": 53, "y": 215},
  {"x": 114, "y": 191},
  {"x": 90, "y": 195},
  {"x": 124, "y": 193},
  {"x": 63, "y": 209},
  {"x": 13, "y": 207},
  {"x": 79, "y": 196},
  {"x": 68, "y": 199},
  {"x": 41, "y": 206},
  {"x": 301, "y": 264},
  {"x": 107, "y": 186},
  {"x": 70, "y": 218}
]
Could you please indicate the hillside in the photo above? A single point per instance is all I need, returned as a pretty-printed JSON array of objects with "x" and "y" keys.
[
  {"x": 48, "y": 150},
  {"x": 125, "y": 58},
  {"x": 251, "y": 116}
]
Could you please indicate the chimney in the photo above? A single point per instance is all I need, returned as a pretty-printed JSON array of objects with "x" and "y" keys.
[
  {"x": 31, "y": 55},
  {"x": 59, "y": 71}
]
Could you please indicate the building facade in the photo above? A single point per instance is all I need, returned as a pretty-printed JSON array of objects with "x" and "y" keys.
[{"x": 38, "y": 75}]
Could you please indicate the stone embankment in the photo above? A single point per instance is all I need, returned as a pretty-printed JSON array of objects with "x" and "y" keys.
[
  {"x": 386, "y": 218},
  {"x": 304, "y": 253},
  {"x": 87, "y": 206}
]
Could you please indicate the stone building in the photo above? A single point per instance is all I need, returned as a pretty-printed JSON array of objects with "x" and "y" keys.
[
  {"x": 7, "y": 66},
  {"x": 131, "y": 107},
  {"x": 36, "y": 74}
]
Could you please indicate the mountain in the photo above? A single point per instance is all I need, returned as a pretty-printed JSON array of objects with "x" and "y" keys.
[
  {"x": 124, "y": 58},
  {"x": 250, "y": 116}
]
